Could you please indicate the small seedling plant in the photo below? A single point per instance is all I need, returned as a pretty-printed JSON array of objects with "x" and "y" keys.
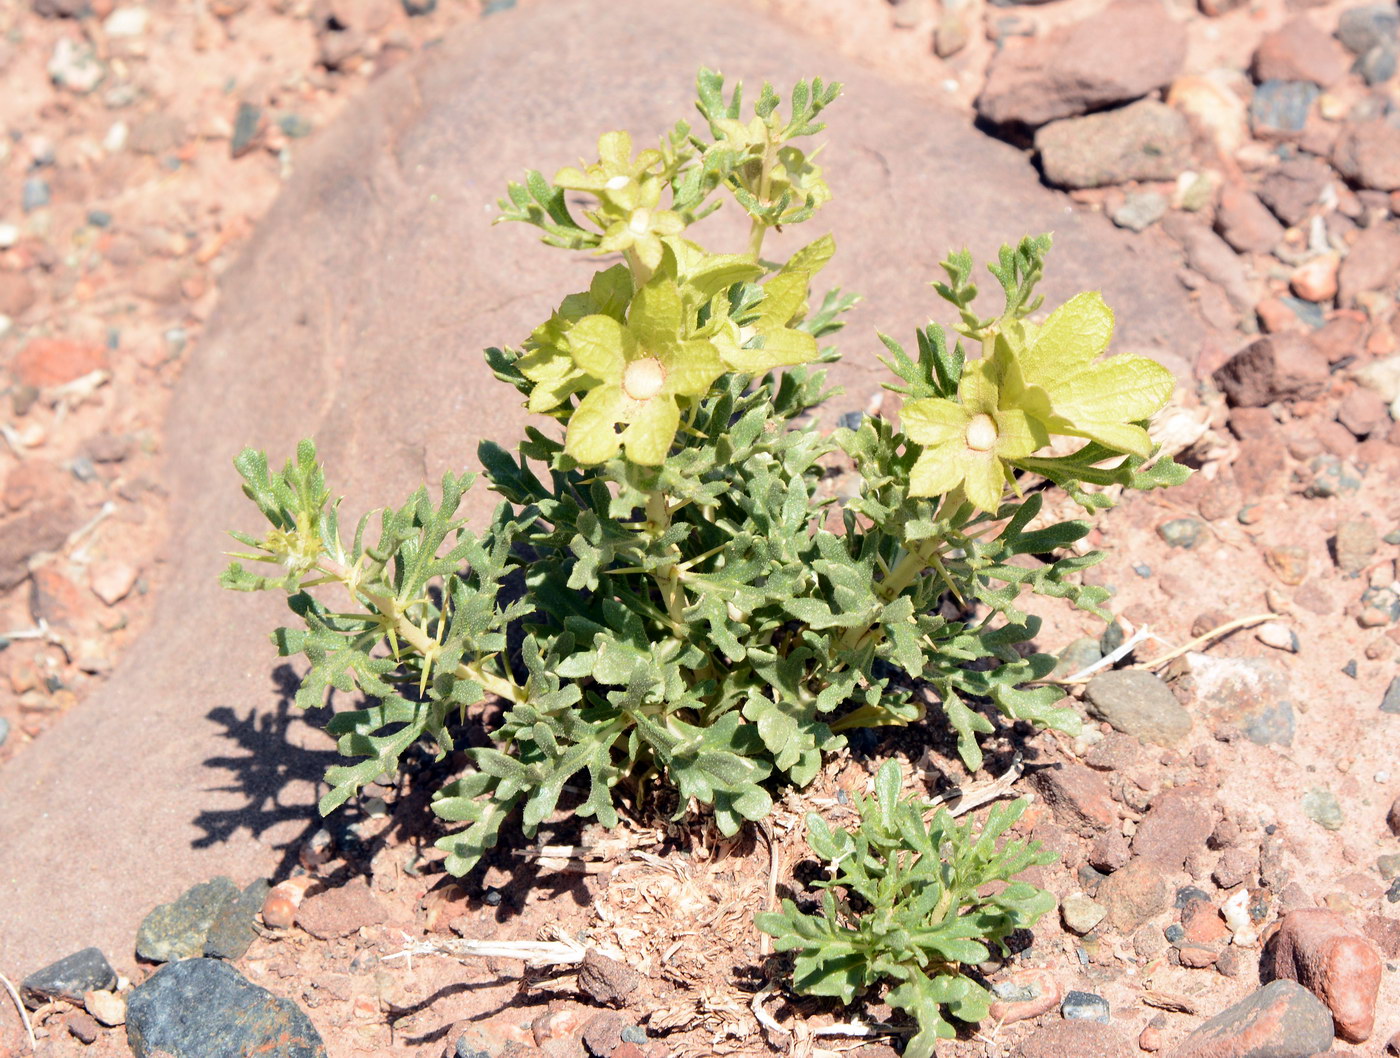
[
  {"x": 909, "y": 902},
  {"x": 674, "y": 610}
]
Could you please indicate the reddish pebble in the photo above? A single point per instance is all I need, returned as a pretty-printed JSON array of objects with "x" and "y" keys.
[
  {"x": 1327, "y": 955},
  {"x": 54, "y": 361},
  {"x": 112, "y": 581},
  {"x": 1028, "y": 994},
  {"x": 555, "y": 1024},
  {"x": 1316, "y": 280},
  {"x": 279, "y": 909},
  {"x": 1150, "y": 1039}
]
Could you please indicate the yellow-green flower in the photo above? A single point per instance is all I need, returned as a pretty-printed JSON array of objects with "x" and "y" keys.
[
  {"x": 641, "y": 366},
  {"x": 765, "y": 340},
  {"x": 617, "y": 177},
  {"x": 545, "y": 360},
  {"x": 641, "y": 227},
  {"x": 969, "y": 441},
  {"x": 1050, "y": 373}
]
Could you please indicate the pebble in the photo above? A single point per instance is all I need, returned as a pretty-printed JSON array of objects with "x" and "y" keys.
[
  {"x": 295, "y": 126},
  {"x": 1179, "y": 822},
  {"x": 235, "y": 1016},
  {"x": 1355, "y": 544},
  {"x": 1320, "y": 805},
  {"x": 127, "y": 22},
  {"x": 1316, "y": 280},
  {"x": 113, "y": 581},
  {"x": 1279, "y": 109},
  {"x": 1332, "y": 476},
  {"x": 1084, "y": 1006},
  {"x": 1184, "y": 533},
  {"x": 416, "y": 8},
  {"x": 1390, "y": 703},
  {"x": 246, "y": 126},
  {"x": 1134, "y": 894},
  {"x": 1079, "y": 654},
  {"x": 75, "y": 66},
  {"x": 279, "y": 910},
  {"x": 178, "y": 930},
  {"x": 232, "y": 933},
  {"x": 1138, "y": 703},
  {"x": 34, "y": 194},
  {"x": 1245, "y": 222},
  {"x": 1368, "y": 154},
  {"x": 1278, "y": 635},
  {"x": 1331, "y": 958},
  {"x": 1392, "y": 818},
  {"x": 117, "y": 135},
  {"x": 4, "y": 730},
  {"x": 1025, "y": 994},
  {"x": 1080, "y": 913},
  {"x": 83, "y": 1028},
  {"x": 9, "y": 235},
  {"x": 1140, "y": 210},
  {"x": 341, "y": 911},
  {"x": 1378, "y": 65},
  {"x": 1389, "y": 866},
  {"x": 1079, "y": 798},
  {"x": 106, "y": 1006},
  {"x": 1361, "y": 28},
  {"x": 69, "y": 978},
  {"x": 1280, "y": 1020}
]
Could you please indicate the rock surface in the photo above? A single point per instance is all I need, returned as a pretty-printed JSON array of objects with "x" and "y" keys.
[
  {"x": 1146, "y": 140},
  {"x": 1138, "y": 703},
  {"x": 314, "y": 335},
  {"x": 204, "y": 1008},
  {"x": 1280, "y": 1020}
]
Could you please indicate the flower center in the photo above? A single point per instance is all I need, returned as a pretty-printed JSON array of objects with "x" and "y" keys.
[
  {"x": 643, "y": 378},
  {"x": 617, "y": 183},
  {"x": 639, "y": 223},
  {"x": 981, "y": 433}
]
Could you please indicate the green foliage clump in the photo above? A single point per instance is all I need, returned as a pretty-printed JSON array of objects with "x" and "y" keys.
[
  {"x": 919, "y": 899},
  {"x": 668, "y": 600}
]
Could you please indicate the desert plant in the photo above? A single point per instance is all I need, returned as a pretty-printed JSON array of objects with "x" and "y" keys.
[
  {"x": 693, "y": 618},
  {"x": 919, "y": 899}
]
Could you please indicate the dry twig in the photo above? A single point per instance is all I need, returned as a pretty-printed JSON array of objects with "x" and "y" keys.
[{"x": 23, "y": 1014}]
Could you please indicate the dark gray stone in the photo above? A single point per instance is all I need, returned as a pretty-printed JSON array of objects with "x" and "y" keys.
[
  {"x": 1391, "y": 702},
  {"x": 178, "y": 930},
  {"x": 1079, "y": 654},
  {"x": 232, "y": 933},
  {"x": 1270, "y": 725},
  {"x": 1084, "y": 1006},
  {"x": 245, "y": 129},
  {"x": 83, "y": 971},
  {"x": 1182, "y": 532},
  {"x": 4, "y": 730},
  {"x": 204, "y": 1008},
  {"x": 315, "y": 335},
  {"x": 34, "y": 194},
  {"x": 1280, "y": 108},
  {"x": 1378, "y": 65},
  {"x": 1138, "y": 703},
  {"x": 1361, "y": 28}
]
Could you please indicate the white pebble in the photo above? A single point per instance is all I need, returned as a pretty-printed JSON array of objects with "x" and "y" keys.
[
  {"x": 127, "y": 22},
  {"x": 1382, "y": 776},
  {"x": 9, "y": 235},
  {"x": 1278, "y": 635},
  {"x": 1236, "y": 914},
  {"x": 115, "y": 139}
]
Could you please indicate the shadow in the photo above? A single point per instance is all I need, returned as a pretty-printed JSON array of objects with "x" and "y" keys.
[{"x": 266, "y": 762}]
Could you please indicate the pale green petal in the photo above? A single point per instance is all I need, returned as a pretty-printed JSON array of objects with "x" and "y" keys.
[
  {"x": 1076, "y": 332},
  {"x": 704, "y": 278},
  {"x": 653, "y": 429},
  {"x": 691, "y": 368},
  {"x": 934, "y": 421},
  {"x": 657, "y": 315},
  {"x": 978, "y": 389},
  {"x": 574, "y": 179},
  {"x": 667, "y": 222},
  {"x": 617, "y": 238},
  {"x": 1018, "y": 435},
  {"x": 648, "y": 249},
  {"x": 615, "y": 151},
  {"x": 601, "y": 346},
  {"x": 592, "y": 436},
  {"x": 938, "y": 470},
  {"x": 983, "y": 478}
]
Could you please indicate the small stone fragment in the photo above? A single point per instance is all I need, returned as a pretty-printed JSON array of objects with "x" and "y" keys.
[
  {"x": 279, "y": 908},
  {"x": 1355, "y": 544},
  {"x": 1277, "y": 635},
  {"x": 1320, "y": 805},
  {"x": 1278, "y": 367},
  {"x": 178, "y": 930},
  {"x": 1316, "y": 280},
  {"x": 112, "y": 581},
  {"x": 1138, "y": 703},
  {"x": 1023, "y": 995},
  {"x": 106, "y": 1006},
  {"x": 1392, "y": 818},
  {"x": 1084, "y": 1006},
  {"x": 68, "y": 978},
  {"x": 1184, "y": 533},
  {"x": 1146, "y": 140},
  {"x": 1245, "y": 222},
  {"x": 83, "y": 1028},
  {"x": 606, "y": 980},
  {"x": 341, "y": 911},
  {"x": 1368, "y": 153},
  {"x": 1080, "y": 913},
  {"x": 1279, "y": 109},
  {"x": 75, "y": 66},
  {"x": 1079, "y": 797},
  {"x": 1140, "y": 210},
  {"x": 231, "y": 934},
  {"x": 1133, "y": 895}
]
